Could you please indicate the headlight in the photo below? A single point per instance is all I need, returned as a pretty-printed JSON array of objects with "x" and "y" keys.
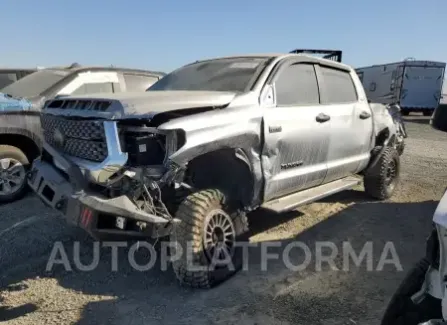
[{"x": 149, "y": 146}]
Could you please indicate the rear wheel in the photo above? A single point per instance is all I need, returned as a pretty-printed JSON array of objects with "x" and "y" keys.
[
  {"x": 402, "y": 310},
  {"x": 381, "y": 180},
  {"x": 13, "y": 168},
  {"x": 206, "y": 238}
]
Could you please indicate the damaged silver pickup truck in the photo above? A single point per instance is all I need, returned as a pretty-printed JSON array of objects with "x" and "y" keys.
[{"x": 210, "y": 142}]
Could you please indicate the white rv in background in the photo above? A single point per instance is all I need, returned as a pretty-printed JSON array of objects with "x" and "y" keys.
[
  {"x": 444, "y": 93},
  {"x": 415, "y": 85}
]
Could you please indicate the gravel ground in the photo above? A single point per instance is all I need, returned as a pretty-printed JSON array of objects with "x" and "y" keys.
[{"x": 31, "y": 295}]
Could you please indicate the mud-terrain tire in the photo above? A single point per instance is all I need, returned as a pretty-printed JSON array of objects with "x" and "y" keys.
[
  {"x": 11, "y": 156},
  {"x": 196, "y": 213},
  {"x": 401, "y": 310},
  {"x": 381, "y": 179}
]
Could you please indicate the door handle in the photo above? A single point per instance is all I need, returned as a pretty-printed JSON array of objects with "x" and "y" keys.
[
  {"x": 321, "y": 118},
  {"x": 364, "y": 115}
]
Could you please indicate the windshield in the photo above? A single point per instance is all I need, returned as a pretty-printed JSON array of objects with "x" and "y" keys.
[
  {"x": 34, "y": 84},
  {"x": 233, "y": 74}
]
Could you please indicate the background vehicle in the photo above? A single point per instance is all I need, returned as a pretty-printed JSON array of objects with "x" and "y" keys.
[
  {"x": 416, "y": 86},
  {"x": 208, "y": 143},
  {"x": 422, "y": 295},
  {"x": 20, "y": 129},
  {"x": 8, "y": 76}
]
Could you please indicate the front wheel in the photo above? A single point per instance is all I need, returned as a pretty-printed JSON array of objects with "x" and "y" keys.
[
  {"x": 13, "y": 168},
  {"x": 206, "y": 239},
  {"x": 381, "y": 180},
  {"x": 402, "y": 310}
]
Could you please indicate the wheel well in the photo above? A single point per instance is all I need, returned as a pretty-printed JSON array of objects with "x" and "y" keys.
[
  {"x": 24, "y": 143},
  {"x": 382, "y": 136},
  {"x": 226, "y": 169}
]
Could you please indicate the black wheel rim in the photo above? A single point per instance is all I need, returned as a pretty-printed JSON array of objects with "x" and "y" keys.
[
  {"x": 391, "y": 175},
  {"x": 219, "y": 236}
]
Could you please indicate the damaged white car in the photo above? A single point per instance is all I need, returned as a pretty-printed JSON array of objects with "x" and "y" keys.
[{"x": 210, "y": 142}]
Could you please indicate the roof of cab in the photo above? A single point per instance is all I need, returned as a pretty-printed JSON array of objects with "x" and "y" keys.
[{"x": 279, "y": 56}]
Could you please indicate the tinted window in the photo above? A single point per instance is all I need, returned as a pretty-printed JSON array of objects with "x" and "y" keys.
[
  {"x": 35, "y": 83},
  {"x": 104, "y": 87},
  {"x": 232, "y": 74},
  {"x": 6, "y": 79},
  {"x": 138, "y": 82},
  {"x": 339, "y": 86},
  {"x": 297, "y": 85}
]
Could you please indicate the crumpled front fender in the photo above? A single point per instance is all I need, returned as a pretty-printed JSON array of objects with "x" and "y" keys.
[{"x": 383, "y": 119}]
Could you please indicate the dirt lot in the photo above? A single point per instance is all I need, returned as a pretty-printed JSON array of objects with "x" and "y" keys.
[{"x": 30, "y": 295}]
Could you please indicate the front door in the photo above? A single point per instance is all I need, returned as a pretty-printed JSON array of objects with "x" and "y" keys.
[{"x": 296, "y": 131}]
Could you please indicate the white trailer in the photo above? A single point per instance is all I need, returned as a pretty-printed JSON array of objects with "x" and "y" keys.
[{"x": 415, "y": 85}]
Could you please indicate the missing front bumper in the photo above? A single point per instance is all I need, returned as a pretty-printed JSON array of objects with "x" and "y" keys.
[{"x": 85, "y": 209}]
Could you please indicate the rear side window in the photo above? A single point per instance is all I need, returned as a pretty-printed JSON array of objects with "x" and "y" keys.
[
  {"x": 138, "y": 82},
  {"x": 93, "y": 88},
  {"x": 297, "y": 85},
  {"x": 339, "y": 86}
]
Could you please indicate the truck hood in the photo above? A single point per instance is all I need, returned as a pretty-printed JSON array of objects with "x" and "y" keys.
[{"x": 136, "y": 105}]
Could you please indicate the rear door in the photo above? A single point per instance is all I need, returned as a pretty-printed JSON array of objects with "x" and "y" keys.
[
  {"x": 296, "y": 132},
  {"x": 421, "y": 87},
  {"x": 351, "y": 122}
]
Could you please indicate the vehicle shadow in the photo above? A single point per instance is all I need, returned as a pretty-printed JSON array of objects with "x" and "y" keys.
[
  {"x": 7, "y": 313},
  {"x": 10, "y": 313},
  {"x": 267, "y": 291}
]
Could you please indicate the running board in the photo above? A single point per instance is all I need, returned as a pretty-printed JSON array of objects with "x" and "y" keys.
[{"x": 292, "y": 201}]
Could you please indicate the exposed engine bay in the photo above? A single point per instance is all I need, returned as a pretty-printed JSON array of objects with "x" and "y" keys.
[{"x": 124, "y": 161}]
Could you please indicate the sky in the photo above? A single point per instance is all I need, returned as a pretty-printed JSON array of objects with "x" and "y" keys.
[{"x": 164, "y": 35}]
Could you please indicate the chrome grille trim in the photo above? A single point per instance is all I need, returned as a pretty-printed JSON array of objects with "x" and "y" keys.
[
  {"x": 98, "y": 172},
  {"x": 116, "y": 159}
]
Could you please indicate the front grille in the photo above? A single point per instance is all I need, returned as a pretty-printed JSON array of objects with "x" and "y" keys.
[{"x": 79, "y": 138}]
